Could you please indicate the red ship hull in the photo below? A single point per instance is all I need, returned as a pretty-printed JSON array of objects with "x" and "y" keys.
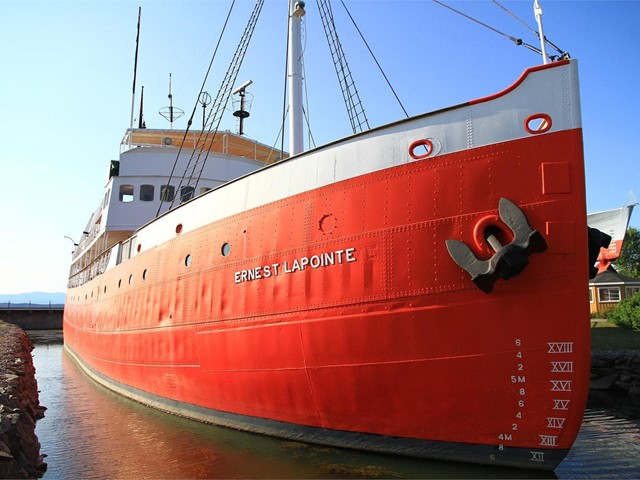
[{"x": 337, "y": 315}]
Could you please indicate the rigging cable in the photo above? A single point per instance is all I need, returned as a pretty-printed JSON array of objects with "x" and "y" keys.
[
  {"x": 517, "y": 41},
  {"x": 193, "y": 170},
  {"x": 375, "y": 59},
  {"x": 562, "y": 53},
  {"x": 353, "y": 104},
  {"x": 190, "y": 121}
]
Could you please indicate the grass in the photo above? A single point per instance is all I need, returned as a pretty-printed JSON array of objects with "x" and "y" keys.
[{"x": 608, "y": 336}]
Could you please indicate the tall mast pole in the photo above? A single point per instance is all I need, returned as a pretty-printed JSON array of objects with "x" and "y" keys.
[
  {"x": 296, "y": 136},
  {"x": 135, "y": 70},
  {"x": 537, "y": 10}
]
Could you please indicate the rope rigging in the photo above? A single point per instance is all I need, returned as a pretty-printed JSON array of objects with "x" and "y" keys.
[
  {"x": 374, "y": 58},
  {"x": 198, "y": 158},
  {"x": 562, "y": 53},
  {"x": 350, "y": 94},
  {"x": 517, "y": 41},
  {"x": 164, "y": 198},
  {"x": 357, "y": 116}
]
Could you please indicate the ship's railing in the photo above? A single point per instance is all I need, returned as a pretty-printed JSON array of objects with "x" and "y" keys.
[
  {"x": 224, "y": 142},
  {"x": 95, "y": 268},
  {"x": 87, "y": 238}
]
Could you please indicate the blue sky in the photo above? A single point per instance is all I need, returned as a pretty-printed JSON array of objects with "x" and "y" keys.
[{"x": 67, "y": 69}]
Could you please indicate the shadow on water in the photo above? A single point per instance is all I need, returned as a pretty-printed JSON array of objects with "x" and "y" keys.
[{"x": 90, "y": 432}]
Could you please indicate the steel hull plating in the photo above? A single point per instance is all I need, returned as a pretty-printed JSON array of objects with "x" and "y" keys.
[
  {"x": 474, "y": 453},
  {"x": 335, "y": 315}
]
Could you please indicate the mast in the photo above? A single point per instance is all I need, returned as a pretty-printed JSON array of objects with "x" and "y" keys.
[
  {"x": 141, "y": 123},
  {"x": 135, "y": 70},
  {"x": 296, "y": 12},
  {"x": 537, "y": 10}
]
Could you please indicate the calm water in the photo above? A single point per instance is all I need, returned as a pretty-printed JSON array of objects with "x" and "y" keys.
[{"x": 89, "y": 432}]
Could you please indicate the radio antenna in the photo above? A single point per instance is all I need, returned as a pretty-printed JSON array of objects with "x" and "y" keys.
[
  {"x": 135, "y": 69},
  {"x": 171, "y": 113}
]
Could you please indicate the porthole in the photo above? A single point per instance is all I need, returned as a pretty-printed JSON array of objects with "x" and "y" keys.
[
  {"x": 538, "y": 123},
  {"x": 425, "y": 148},
  {"x": 187, "y": 260},
  {"x": 130, "y": 279},
  {"x": 105, "y": 289},
  {"x": 119, "y": 283},
  {"x": 226, "y": 249},
  {"x": 421, "y": 149},
  {"x": 139, "y": 247},
  {"x": 178, "y": 229},
  {"x": 144, "y": 274}
]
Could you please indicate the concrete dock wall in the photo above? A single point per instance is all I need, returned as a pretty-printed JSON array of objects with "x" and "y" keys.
[{"x": 36, "y": 318}]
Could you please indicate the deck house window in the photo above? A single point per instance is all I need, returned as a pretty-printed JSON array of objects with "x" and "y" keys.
[
  {"x": 186, "y": 193},
  {"x": 126, "y": 193},
  {"x": 609, "y": 294},
  {"x": 167, "y": 193},
  {"x": 146, "y": 193}
]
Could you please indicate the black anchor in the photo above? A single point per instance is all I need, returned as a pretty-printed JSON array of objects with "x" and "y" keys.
[{"x": 509, "y": 260}]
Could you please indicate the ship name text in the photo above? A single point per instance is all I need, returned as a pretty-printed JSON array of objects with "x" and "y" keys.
[{"x": 321, "y": 260}]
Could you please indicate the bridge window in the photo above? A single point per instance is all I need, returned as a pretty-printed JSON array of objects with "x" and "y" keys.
[
  {"x": 126, "y": 193},
  {"x": 146, "y": 193},
  {"x": 167, "y": 193}
]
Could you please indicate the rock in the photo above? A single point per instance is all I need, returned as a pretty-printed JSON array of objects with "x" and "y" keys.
[
  {"x": 600, "y": 362},
  {"x": 625, "y": 377},
  {"x": 603, "y": 383},
  {"x": 615, "y": 383},
  {"x": 625, "y": 386},
  {"x": 600, "y": 399},
  {"x": 19, "y": 447}
]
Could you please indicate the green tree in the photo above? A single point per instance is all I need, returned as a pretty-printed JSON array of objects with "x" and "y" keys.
[{"x": 629, "y": 261}]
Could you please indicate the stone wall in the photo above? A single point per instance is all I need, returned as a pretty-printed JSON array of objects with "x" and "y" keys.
[
  {"x": 615, "y": 383},
  {"x": 19, "y": 407}
]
